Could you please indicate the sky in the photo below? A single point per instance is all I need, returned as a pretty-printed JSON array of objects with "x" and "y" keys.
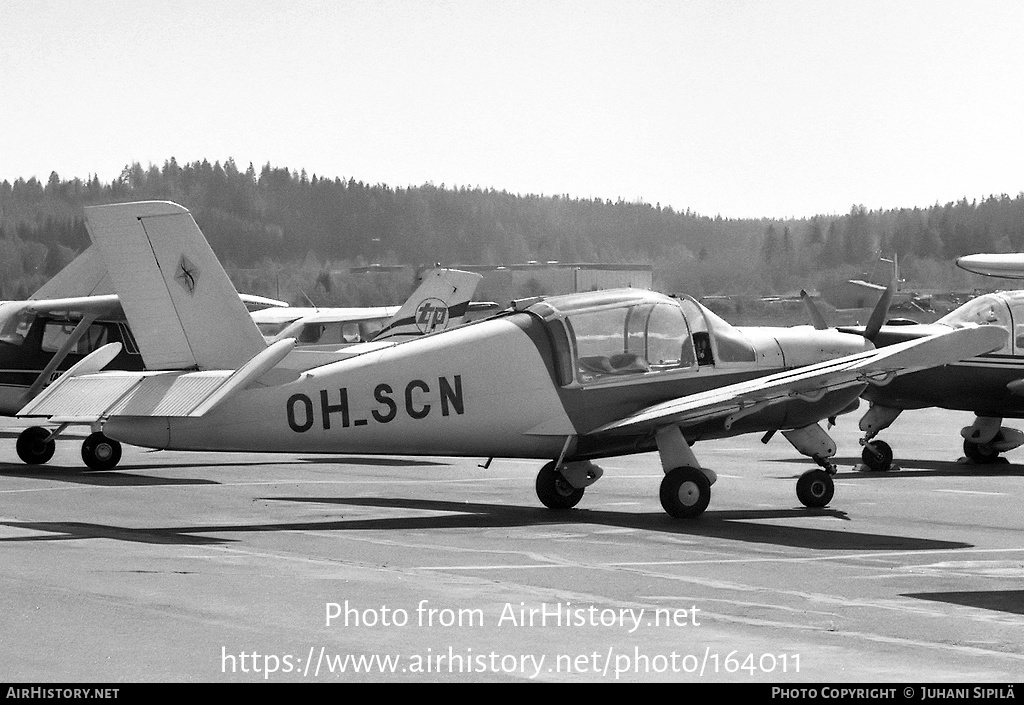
[{"x": 738, "y": 108}]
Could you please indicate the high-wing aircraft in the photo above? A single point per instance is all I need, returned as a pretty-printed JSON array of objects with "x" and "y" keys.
[
  {"x": 42, "y": 337},
  {"x": 568, "y": 379},
  {"x": 431, "y": 308}
]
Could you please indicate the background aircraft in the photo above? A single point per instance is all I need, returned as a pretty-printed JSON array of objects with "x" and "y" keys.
[
  {"x": 990, "y": 384},
  {"x": 569, "y": 378}
]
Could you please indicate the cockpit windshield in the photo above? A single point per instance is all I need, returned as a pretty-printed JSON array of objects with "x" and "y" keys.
[{"x": 988, "y": 309}]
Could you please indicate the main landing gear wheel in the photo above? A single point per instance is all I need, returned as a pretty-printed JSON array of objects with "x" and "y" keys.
[
  {"x": 554, "y": 491},
  {"x": 685, "y": 492},
  {"x": 100, "y": 452},
  {"x": 32, "y": 446},
  {"x": 981, "y": 454},
  {"x": 815, "y": 488},
  {"x": 877, "y": 455}
]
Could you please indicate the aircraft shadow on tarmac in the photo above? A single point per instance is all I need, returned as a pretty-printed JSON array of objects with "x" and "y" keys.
[
  {"x": 99, "y": 478},
  {"x": 921, "y": 468},
  {"x": 997, "y": 600},
  {"x": 121, "y": 478},
  {"x": 733, "y": 525},
  {"x": 381, "y": 462}
]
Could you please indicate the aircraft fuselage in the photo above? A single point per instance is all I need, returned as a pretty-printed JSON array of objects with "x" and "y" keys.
[{"x": 497, "y": 387}]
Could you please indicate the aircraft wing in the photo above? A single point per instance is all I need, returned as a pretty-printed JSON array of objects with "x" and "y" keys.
[
  {"x": 811, "y": 382},
  {"x": 1007, "y": 266},
  {"x": 104, "y": 305}
]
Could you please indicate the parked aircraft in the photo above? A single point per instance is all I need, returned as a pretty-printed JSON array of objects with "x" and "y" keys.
[
  {"x": 333, "y": 328},
  {"x": 569, "y": 378},
  {"x": 990, "y": 384}
]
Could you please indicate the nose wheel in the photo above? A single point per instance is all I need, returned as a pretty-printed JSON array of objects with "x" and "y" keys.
[
  {"x": 877, "y": 456},
  {"x": 685, "y": 492},
  {"x": 815, "y": 488}
]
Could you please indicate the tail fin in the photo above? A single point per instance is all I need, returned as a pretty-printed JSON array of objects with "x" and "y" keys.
[
  {"x": 85, "y": 275},
  {"x": 440, "y": 302},
  {"x": 183, "y": 309}
]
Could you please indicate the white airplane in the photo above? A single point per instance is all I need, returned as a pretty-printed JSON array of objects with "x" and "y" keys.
[{"x": 569, "y": 379}]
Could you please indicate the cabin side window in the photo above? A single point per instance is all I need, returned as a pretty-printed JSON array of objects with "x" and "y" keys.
[
  {"x": 57, "y": 333},
  {"x": 15, "y": 329}
]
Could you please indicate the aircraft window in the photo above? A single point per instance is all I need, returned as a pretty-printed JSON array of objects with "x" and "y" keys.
[
  {"x": 369, "y": 328},
  {"x": 984, "y": 310},
  {"x": 311, "y": 333},
  {"x": 636, "y": 329},
  {"x": 16, "y": 328},
  {"x": 55, "y": 334},
  {"x": 729, "y": 343},
  {"x": 630, "y": 340},
  {"x": 601, "y": 344},
  {"x": 668, "y": 339},
  {"x": 350, "y": 332},
  {"x": 702, "y": 344},
  {"x": 269, "y": 330}
]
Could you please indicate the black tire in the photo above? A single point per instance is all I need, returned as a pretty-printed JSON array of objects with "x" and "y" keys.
[
  {"x": 685, "y": 492},
  {"x": 815, "y": 489},
  {"x": 100, "y": 452},
  {"x": 980, "y": 454},
  {"x": 32, "y": 446},
  {"x": 877, "y": 455},
  {"x": 554, "y": 491}
]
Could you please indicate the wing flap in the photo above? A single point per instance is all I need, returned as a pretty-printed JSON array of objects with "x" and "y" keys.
[{"x": 875, "y": 366}]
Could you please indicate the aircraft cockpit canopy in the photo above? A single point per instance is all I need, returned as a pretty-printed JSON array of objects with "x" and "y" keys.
[
  {"x": 610, "y": 334},
  {"x": 1004, "y": 309}
]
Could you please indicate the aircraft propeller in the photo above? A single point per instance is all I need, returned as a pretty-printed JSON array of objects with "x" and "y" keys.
[{"x": 875, "y": 322}]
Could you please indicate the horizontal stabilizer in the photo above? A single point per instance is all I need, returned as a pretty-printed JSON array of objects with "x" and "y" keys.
[{"x": 96, "y": 395}]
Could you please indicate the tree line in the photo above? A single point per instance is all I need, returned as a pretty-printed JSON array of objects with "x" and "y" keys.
[{"x": 284, "y": 220}]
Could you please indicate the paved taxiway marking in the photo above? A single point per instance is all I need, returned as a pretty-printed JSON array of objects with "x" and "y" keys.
[
  {"x": 720, "y": 561},
  {"x": 996, "y": 494}
]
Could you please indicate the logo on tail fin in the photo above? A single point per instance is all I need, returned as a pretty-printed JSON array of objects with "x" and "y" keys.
[
  {"x": 187, "y": 275},
  {"x": 431, "y": 315}
]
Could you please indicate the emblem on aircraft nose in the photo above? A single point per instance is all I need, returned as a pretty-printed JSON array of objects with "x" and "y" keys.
[
  {"x": 431, "y": 315},
  {"x": 187, "y": 275}
]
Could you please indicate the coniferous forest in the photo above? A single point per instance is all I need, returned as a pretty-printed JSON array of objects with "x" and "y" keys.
[{"x": 298, "y": 226}]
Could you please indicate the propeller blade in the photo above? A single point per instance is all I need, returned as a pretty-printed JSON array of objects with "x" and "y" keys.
[
  {"x": 813, "y": 311},
  {"x": 879, "y": 314}
]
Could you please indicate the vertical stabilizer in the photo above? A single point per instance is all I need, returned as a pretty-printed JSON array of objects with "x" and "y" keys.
[
  {"x": 183, "y": 309},
  {"x": 440, "y": 302},
  {"x": 85, "y": 275}
]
